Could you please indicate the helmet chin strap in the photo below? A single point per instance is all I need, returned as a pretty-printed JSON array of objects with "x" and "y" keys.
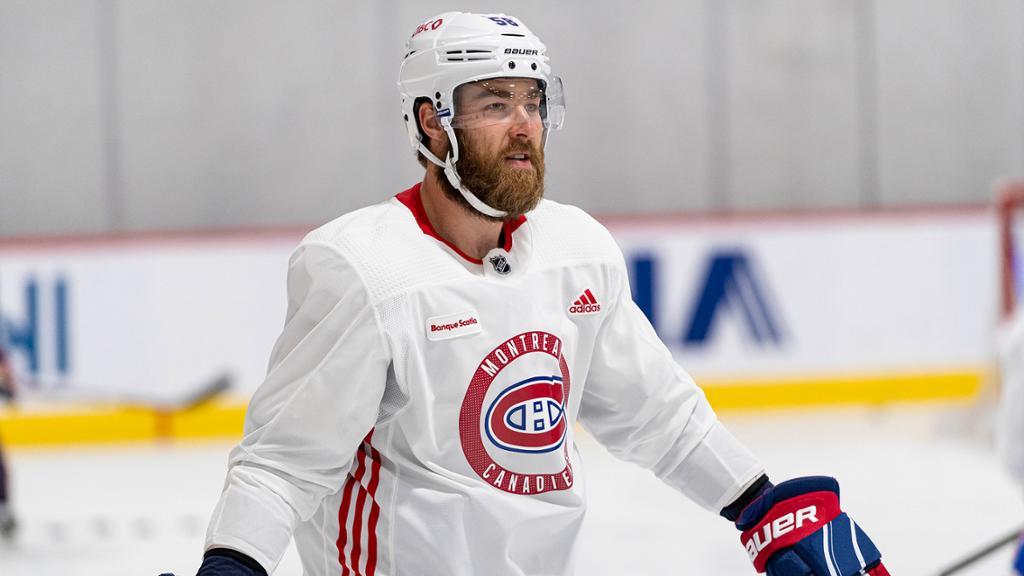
[{"x": 453, "y": 176}]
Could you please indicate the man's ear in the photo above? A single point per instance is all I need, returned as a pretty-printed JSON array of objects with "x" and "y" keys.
[{"x": 429, "y": 123}]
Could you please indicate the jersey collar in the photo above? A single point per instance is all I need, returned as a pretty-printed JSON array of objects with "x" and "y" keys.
[{"x": 414, "y": 202}]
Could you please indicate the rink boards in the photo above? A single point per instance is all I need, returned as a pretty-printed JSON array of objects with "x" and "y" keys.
[{"x": 771, "y": 310}]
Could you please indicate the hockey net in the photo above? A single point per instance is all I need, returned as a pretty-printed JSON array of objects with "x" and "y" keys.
[
  {"x": 1009, "y": 385},
  {"x": 1010, "y": 210},
  {"x": 979, "y": 420}
]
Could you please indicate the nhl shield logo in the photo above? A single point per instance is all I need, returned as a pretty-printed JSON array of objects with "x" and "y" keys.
[
  {"x": 513, "y": 423},
  {"x": 501, "y": 265}
]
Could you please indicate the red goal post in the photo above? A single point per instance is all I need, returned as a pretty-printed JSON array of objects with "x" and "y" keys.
[{"x": 1010, "y": 209}]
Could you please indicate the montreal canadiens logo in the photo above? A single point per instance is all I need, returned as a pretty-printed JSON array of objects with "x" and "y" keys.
[
  {"x": 513, "y": 423},
  {"x": 527, "y": 416}
]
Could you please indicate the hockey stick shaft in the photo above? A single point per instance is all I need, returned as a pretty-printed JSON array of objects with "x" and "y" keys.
[
  {"x": 983, "y": 552},
  {"x": 178, "y": 400}
]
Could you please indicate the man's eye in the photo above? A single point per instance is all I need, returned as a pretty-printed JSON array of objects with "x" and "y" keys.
[
  {"x": 496, "y": 107},
  {"x": 532, "y": 108}
]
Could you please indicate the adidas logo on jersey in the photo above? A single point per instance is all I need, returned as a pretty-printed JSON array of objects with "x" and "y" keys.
[{"x": 585, "y": 304}]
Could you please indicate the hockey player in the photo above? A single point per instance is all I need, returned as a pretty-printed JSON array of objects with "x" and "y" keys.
[
  {"x": 419, "y": 412},
  {"x": 8, "y": 526}
]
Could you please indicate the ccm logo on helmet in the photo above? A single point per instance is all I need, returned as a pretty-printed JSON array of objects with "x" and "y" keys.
[
  {"x": 778, "y": 527},
  {"x": 432, "y": 25},
  {"x": 522, "y": 51}
]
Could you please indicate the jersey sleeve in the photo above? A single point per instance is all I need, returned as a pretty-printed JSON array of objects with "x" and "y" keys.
[
  {"x": 320, "y": 398},
  {"x": 642, "y": 406}
]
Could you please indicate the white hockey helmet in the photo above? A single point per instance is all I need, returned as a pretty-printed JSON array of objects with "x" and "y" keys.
[{"x": 457, "y": 48}]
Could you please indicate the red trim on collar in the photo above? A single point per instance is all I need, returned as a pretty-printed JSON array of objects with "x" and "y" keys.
[
  {"x": 412, "y": 200},
  {"x": 509, "y": 228}
]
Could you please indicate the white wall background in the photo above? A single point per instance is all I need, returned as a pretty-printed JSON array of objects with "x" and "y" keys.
[{"x": 146, "y": 114}]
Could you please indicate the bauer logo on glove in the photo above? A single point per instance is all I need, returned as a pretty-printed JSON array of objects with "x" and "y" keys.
[
  {"x": 771, "y": 533},
  {"x": 798, "y": 529}
]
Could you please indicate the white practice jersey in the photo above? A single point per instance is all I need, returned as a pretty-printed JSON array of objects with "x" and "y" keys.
[{"x": 419, "y": 414}]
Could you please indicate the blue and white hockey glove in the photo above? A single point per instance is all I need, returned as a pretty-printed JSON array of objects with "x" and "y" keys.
[{"x": 798, "y": 529}]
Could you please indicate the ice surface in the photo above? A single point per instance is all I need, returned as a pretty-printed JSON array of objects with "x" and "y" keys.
[{"x": 927, "y": 497}]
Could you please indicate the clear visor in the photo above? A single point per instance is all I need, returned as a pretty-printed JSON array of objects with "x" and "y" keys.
[{"x": 509, "y": 101}]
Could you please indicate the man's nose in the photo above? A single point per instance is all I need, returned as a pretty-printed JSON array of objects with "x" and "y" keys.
[{"x": 524, "y": 125}]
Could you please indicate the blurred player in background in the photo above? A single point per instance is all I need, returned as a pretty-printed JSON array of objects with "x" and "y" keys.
[
  {"x": 419, "y": 411},
  {"x": 1010, "y": 421},
  {"x": 7, "y": 523}
]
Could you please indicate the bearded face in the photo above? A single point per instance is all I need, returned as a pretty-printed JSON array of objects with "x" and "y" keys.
[
  {"x": 499, "y": 178},
  {"x": 499, "y": 126}
]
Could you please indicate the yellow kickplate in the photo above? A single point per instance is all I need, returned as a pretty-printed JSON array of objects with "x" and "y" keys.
[
  {"x": 843, "y": 390},
  {"x": 82, "y": 425},
  {"x": 224, "y": 418}
]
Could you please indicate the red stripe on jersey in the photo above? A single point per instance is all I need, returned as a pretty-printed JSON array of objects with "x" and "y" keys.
[
  {"x": 369, "y": 458},
  {"x": 578, "y": 302},
  {"x": 346, "y": 500},
  {"x": 371, "y": 522},
  {"x": 357, "y": 529},
  {"x": 590, "y": 295},
  {"x": 343, "y": 511},
  {"x": 371, "y": 548}
]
